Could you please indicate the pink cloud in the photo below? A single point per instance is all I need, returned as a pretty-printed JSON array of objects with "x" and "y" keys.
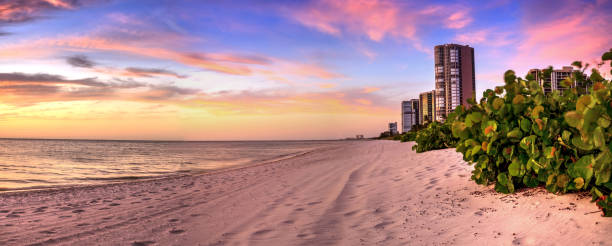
[
  {"x": 579, "y": 34},
  {"x": 488, "y": 37},
  {"x": 376, "y": 19},
  {"x": 458, "y": 20}
]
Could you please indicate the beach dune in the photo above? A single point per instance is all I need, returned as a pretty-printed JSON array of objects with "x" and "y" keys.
[{"x": 354, "y": 193}]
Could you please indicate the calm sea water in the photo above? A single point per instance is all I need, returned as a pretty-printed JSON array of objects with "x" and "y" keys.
[{"x": 26, "y": 164}]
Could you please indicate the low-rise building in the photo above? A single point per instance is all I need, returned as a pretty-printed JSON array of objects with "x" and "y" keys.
[{"x": 393, "y": 128}]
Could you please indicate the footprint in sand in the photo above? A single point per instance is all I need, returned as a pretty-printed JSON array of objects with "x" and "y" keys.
[
  {"x": 314, "y": 203},
  {"x": 83, "y": 224},
  {"x": 78, "y": 211},
  {"x": 177, "y": 231},
  {"x": 47, "y": 232},
  {"x": 350, "y": 213},
  {"x": 288, "y": 222},
  {"x": 142, "y": 243},
  {"x": 114, "y": 204},
  {"x": 173, "y": 220},
  {"x": 382, "y": 225},
  {"x": 261, "y": 232},
  {"x": 299, "y": 209}
]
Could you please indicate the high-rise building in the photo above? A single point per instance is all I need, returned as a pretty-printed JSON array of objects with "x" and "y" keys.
[
  {"x": 554, "y": 82},
  {"x": 455, "y": 78},
  {"x": 410, "y": 114},
  {"x": 427, "y": 107}
]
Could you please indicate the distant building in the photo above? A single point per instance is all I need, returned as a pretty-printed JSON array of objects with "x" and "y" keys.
[
  {"x": 553, "y": 82},
  {"x": 359, "y": 137},
  {"x": 410, "y": 114},
  {"x": 427, "y": 107},
  {"x": 393, "y": 128},
  {"x": 455, "y": 78}
]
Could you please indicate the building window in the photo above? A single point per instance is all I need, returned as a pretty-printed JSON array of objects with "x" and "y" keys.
[
  {"x": 454, "y": 71},
  {"x": 439, "y": 69}
]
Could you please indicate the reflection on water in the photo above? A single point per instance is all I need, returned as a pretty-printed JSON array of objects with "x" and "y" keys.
[{"x": 42, "y": 163}]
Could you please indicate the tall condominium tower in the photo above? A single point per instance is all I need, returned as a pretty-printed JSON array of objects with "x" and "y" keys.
[
  {"x": 410, "y": 114},
  {"x": 427, "y": 107},
  {"x": 455, "y": 77}
]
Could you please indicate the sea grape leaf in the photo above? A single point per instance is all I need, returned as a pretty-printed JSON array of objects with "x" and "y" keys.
[
  {"x": 475, "y": 117},
  {"x": 498, "y": 103},
  {"x": 573, "y": 118},
  {"x": 549, "y": 152},
  {"x": 526, "y": 125},
  {"x": 584, "y": 102},
  {"x": 562, "y": 180},
  {"x": 582, "y": 168},
  {"x": 566, "y": 136},
  {"x": 502, "y": 178},
  {"x": 535, "y": 112},
  {"x": 603, "y": 122},
  {"x": 598, "y": 137},
  {"x": 577, "y": 141},
  {"x": 515, "y": 133},
  {"x": 514, "y": 168},
  {"x": 603, "y": 167},
  {"x": 579, "y": 182},
  {"x": 489, "y": 128}
]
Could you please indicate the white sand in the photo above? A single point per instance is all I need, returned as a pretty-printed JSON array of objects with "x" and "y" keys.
[{"x": 361, "y": 193}]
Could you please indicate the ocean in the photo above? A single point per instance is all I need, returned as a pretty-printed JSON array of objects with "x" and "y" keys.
[{"x": 32, "y": 164}]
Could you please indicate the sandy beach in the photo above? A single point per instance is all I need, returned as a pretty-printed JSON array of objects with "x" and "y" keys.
[{"x": 357, "y": 193}]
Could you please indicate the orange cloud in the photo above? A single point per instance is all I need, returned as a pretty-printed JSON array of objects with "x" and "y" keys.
[{"x": 370, "y": 89}]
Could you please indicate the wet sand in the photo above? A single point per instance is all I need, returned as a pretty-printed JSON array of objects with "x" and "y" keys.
[{"x": 359, "y": 193}]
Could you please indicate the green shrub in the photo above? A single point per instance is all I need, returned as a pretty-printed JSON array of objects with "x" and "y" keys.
[
  {"x": 408, "y": 136},
  {"x": 436, "y": 136},
  {"x": 517, "y": 136}
]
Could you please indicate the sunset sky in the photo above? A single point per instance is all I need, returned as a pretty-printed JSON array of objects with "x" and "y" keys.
[{"x": 246, "y": 70}]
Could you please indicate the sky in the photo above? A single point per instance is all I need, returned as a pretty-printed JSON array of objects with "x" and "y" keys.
[{"x": 261, "y": 70}]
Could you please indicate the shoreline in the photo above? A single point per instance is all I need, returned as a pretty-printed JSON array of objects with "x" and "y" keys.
[
  {"x": 135, "y": 179},
  {"x": 374, "y": 192}
]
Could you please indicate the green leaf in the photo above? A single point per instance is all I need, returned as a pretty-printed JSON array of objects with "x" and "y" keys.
[
  {"x": 598, "y": 137},
  {"x": 475, "y": 117},
  {"x": 515, "y": 133},
  {"x": 498, "y": 103},
  {"x": 526, "y": 125},
  {"x": 579, "y": 182},
  {"x": 577, "y": 141},
  {"x": 582, "y": 168},
  {"x": 573, "y": 118},
  {"x": 514, "y": 168},
  {"x": 603, "y": 122},
  {"x": 502, "y": 178},
  {"x": 562, "y": 180}
]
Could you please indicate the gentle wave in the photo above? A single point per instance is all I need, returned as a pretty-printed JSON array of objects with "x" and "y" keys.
[{"x": 25, "y": 164}]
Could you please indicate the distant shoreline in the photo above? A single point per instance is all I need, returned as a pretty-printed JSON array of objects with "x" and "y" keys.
[{"x": 162, "y": 141}]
